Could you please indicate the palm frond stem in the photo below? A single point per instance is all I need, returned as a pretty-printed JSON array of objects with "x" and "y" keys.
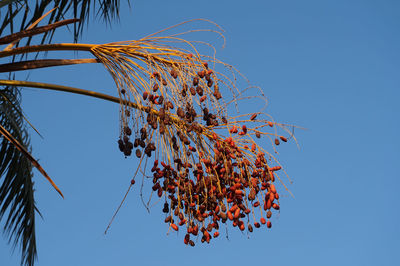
[
  {"x": 31, "y": 32},
  {"x": 34, "y": 64},
  {"x": 48, "y": 86},
  {"x": 47, "y": 47}
]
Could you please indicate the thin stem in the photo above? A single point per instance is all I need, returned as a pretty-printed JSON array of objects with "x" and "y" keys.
[
  {"x": 30, "y": 32},
  {"x": 35, "y": 64},
  {"x": 40, "y": 85},
  {"x": 7, "y": 135},
  {"x": 48, "y": 47}
]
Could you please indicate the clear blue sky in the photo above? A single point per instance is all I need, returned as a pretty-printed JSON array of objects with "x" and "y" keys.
[{"x": 330, "y": 66}]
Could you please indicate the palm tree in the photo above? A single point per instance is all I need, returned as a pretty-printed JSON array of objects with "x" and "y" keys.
[{"x": 206, "y": 163}]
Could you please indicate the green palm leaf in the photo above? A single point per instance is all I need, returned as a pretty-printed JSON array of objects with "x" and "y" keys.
[{"x": 17, "y": 204}]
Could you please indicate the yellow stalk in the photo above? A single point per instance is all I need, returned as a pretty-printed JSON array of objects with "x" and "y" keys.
[
  {"x": 48, "y": 47},
  {"x": 40, "y": 85}
]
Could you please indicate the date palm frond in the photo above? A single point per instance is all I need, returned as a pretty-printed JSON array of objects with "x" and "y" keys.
[{"x": 17, "y": 204}]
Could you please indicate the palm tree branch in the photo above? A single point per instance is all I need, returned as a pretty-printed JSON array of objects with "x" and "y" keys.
[
  {"x": 17, "y": 203},
  {"x": 47, "y": 47},
  {"x": 31, "y": 32},
  {"x": 34, "y": 162},
  {"x": 20, "y": 113},
  {"x": 34, "y": 64},
  {"x": 19, "y": 83}
]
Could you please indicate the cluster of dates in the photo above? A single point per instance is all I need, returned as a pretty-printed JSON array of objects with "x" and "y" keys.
[
  {"x": 224, "y": 188},
  {"x": 226, "y": 182}
]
